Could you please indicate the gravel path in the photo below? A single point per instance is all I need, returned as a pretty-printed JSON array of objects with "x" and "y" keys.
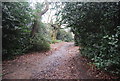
[{"x": 63, "y": 61}]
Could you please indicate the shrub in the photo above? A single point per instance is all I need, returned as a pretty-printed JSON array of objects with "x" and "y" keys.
[
  {"x": 16, "y": 21},
  {"x": 64, "y": 36},
  {"x": 39, "y": 44},
  {"x": 56, "y": 41},
  {"x": 97, "y": 31}
]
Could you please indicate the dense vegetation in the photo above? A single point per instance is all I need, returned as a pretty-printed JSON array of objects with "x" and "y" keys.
[
  {"x": 64, "y": 36},
  {"x": 15, "y": 31},
  {"x": 23, "y": 31},
  {"x": 97, "y": 31},
  {"x": 96, "y": 28},
  {"x": 17, "y": 21}
]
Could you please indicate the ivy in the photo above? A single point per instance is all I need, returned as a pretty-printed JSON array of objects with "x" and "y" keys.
[{"x": 97, "y": 32}]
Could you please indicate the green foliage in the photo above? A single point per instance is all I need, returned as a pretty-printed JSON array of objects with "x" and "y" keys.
[
  {"x": 64, "y": 36},
  {"x": 39, "y": 44},
  {"x": 17, "y": 20},
  {"x": 41, "y": 39},
  {"x": 97, "y": 32},
  {"x": 44, "y": 30},
  {"x": 55, "y": 41},
  {"x": 15, "y": 31}
]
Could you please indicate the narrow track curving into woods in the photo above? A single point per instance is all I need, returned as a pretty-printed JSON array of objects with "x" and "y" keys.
[{"x": 63, "y": 61}]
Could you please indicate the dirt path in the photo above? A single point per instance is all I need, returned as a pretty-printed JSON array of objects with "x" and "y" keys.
[{"x": 63, "y": 61}]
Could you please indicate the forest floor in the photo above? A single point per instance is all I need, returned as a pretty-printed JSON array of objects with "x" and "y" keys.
[{"x": 63, "y": 61}]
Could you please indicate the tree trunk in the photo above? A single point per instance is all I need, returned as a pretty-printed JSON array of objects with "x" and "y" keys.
[{"x": 35, "y": 24}]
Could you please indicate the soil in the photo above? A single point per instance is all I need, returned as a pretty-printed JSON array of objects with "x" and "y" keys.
[{"x": 63, "y": 61}]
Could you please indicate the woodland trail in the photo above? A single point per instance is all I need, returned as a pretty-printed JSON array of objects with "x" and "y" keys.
[{"x": 63, "y": 61}]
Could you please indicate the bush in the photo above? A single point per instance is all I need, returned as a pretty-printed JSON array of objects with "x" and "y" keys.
[
  {"x": 16, "y": 21},
  {"x": 56, "y": 41},
  {"x": 39, "y": 44},
  {"x": 97, "y": 32},
  {"x": 64, "y": 36},
  {"x": 41, "y": 40}
]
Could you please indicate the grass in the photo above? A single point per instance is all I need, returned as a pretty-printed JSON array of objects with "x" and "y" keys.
[{"x": 55, "y": 41}]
